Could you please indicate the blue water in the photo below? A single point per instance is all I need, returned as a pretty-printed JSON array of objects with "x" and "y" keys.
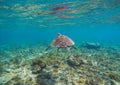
[
  {"x": 34, "y": 22},
  {"x": 20, "y": 21},
  {"x": 108, "y": 33}
]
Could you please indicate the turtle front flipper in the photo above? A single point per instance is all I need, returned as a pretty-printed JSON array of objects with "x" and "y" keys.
[{"x": 47, "y": 47}]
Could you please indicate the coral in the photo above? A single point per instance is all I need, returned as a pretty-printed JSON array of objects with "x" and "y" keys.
[
  {"x": 14, "y": 81},
  {"x": 92, "y": 82},
  {"x": 38, "y": 65},
  {"x": 115, "y": 76},
  {"x": 81, "y": 80},
  {"x": 84, "y": 67},
  {"x": 45, "y": 79},
  {"x": 76, "y": 60},
  {"x": 7, "y": 77},
  {"x": 57, "y": 64},
  {"x": 15, "y": 60}
]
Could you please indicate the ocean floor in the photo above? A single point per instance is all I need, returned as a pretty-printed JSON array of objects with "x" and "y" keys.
[{"x": 90, "y": 64}]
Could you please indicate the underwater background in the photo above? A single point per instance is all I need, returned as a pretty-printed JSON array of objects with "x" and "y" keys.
[{"x": 27, "y": 28}]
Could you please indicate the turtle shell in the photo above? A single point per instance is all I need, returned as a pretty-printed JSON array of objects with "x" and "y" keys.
[{"x": 62, "y": 41}]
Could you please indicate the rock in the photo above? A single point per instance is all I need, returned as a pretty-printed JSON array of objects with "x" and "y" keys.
[
  {"x": 90, "y": 45},
  {"x": 76, "y": 60},
  {"x": 38, "y": 65},
  {"x": 45, "y": 78}
]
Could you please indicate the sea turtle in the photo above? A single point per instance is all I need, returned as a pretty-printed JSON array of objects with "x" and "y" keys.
[{"x": 62, "y": 41}]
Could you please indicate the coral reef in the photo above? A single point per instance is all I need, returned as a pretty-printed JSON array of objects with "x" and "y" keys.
[
  {"x": 37, "y": 65},
  {"x": 31, "y": 66}
]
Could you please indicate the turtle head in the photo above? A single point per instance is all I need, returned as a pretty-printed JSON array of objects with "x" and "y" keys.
[{"x": 59, "y": 34}]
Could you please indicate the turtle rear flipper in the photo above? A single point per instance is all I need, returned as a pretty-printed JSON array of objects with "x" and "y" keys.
[
  {"x": 47, "y": 47},
  {"x": 74, "y": 47}
]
